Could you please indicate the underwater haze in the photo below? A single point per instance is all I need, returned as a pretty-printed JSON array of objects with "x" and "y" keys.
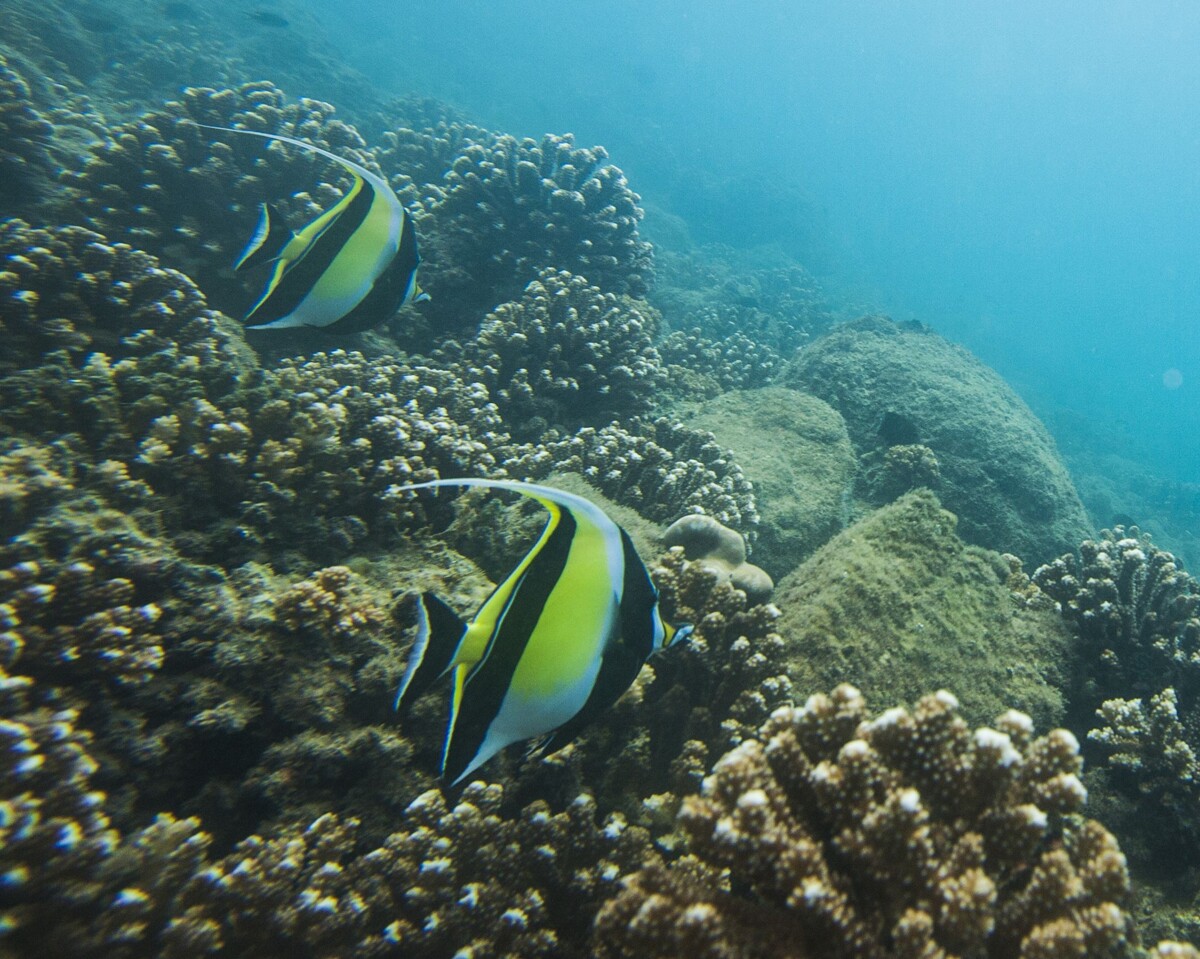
[
  {"x": 1024, "y": 177},
  {"x": 508, "y": 480}
]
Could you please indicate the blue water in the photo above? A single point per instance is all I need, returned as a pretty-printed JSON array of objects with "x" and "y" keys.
[{"x": 1024, "y": 177}]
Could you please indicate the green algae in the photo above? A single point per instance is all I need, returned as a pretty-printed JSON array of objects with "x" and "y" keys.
[
  {"x": 898, "y": 605},
  {"x": 796, "y": 451},
  {"x": 1000, "y": 471}
]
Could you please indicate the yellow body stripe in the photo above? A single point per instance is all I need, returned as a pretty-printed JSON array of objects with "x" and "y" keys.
[
  {"x": 301, "y": 241},
  {"x": 483, "y": 626},
  {"x": 566, "y": 644},
  {"x": 356, "y": 266}
]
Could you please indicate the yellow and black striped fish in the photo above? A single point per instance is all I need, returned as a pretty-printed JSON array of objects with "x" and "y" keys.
[
  {"x": 554, "y": 645},
  {"x": 349, "y": 269}
]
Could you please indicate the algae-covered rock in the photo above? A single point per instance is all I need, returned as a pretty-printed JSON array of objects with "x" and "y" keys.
[
  {"x": 795, "y": 450},
  {"x": 899, "y": 604},
  {"x": 999, "y": 469}
]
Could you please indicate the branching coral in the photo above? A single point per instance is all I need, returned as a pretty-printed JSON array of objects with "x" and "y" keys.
[
  {"x": 662, "y": 468},
  {"x": 905, "y": 835},
  {"x": 71, "y": 290},
  {"x": 565, "y": 354},
  {"x": 74, "y": 622},
  {"x": 1147, "y": 739},
  {"x": 734, "y": 362},
  {"x": 25, "y": 160},
  {"x": 508, "y": 209},
  {"x": 1136, "y": 611}
]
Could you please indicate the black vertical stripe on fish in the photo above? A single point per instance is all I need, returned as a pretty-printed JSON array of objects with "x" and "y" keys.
[
  {"x": 625, "y": 653},
  {"x": 639, "y": 601},
  {"x": 389, "y": 290},
  {"x": 489, "y": 681},
  {"x": 299, "y": 279}
]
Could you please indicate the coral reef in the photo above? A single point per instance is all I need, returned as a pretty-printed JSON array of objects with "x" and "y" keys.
[
  {"x": 455, "y": 877},
  {"x": 564, "y": 354},
  {"x": 707, "y": 542},
  {"x": 795, "y": 451},
  {"x": 701, "y": 696},
  {"x": 902, "y": 835},
  {"x": 902, "y": 384},
  {"x": 69, "y": 294},
  {"x": 1136, "y": 612},
  {"x": 1135, "y": 686},
  {"x": 898, "y": 602},
  {"x": 26, "y": 163},
  {"x": 703, "y": 366},
  {"x": 887, "y": 474},
  {"x": 191, "y": 196},
  {"x": 508, "y": 209},
  {"x": 662, "y": 468}
]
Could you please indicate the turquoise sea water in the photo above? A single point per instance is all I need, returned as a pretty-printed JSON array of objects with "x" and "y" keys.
[
  {"x": 1024, "y": 177},
  {"x": 214, "y": 569}
]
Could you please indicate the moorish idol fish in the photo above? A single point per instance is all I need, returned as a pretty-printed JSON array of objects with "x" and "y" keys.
[
  {"x": 554, "y": 645},
  {"x": 349, "y": 269}
]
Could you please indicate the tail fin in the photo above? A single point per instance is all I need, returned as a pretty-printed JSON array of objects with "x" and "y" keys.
[
  {"x": 439, "y": 634},
  {"x": 270, "y": 237}
]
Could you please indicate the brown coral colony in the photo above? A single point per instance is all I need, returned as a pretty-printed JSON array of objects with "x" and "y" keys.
[{"x": 209, "y": 555}]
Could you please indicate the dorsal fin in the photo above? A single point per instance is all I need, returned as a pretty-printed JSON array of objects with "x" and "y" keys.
[{"x": 372, "y": 178}]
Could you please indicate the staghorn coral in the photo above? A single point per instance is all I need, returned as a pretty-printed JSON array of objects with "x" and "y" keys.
[
  {"x": 191, "y": 196},
  {"x": 565, "y": 354},
  {"x": 903, "y": 835},
  {"x": 508, "y": 209},
  {"x": 663, "y": 468}
]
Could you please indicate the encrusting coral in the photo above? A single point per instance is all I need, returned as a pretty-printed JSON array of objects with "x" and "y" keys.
[
  {"x": 565, "y": 354},
  {"x": 706, "y": 541},
  {"x": 902, "y": 835}
]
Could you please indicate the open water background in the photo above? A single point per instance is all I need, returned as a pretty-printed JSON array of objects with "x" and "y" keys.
[{"x": 1024, "y": 177}]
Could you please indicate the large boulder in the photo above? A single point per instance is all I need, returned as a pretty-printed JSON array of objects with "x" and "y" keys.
[
  {"x": 898, "y": 605},
  {"x": 902, "y": 385},
  {"x": 795, "y": 450}
]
